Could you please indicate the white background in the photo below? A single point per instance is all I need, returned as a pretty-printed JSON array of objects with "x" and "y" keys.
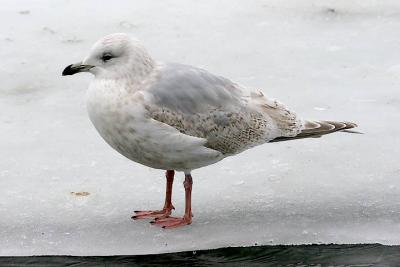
[{"x": 331, "y": 60}]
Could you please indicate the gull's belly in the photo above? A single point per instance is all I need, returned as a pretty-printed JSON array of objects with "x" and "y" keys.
[
  {"x": 143, "y": 141},
  {"x": 140, "y": 149},
  {"x": 153, "y": 152},
  {"x": 121, "y": 133}
]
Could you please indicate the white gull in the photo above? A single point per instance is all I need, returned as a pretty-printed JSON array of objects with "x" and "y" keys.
[{"x": 177, "y": 117}]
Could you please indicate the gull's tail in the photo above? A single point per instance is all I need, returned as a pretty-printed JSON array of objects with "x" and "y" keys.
[{"x": 316, "y": 129}]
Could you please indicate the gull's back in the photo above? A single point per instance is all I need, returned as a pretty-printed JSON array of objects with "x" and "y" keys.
[{"x": 200, "y": 104}]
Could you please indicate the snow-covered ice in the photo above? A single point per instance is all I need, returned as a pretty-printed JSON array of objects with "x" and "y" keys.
[{"x": 64, "y": 191}]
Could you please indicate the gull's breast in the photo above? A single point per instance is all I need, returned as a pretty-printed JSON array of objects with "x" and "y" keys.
[{"x": 116, "y": 116}]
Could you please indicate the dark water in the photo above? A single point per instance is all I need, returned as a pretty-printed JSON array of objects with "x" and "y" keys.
[{"x": 305, "y": 255}]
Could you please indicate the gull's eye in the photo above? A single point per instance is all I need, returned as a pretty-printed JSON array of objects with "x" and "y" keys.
[{"x": 106, "y": 57}]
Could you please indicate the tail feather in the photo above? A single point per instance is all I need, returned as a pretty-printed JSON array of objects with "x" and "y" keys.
[{"x": 315, "y": 129}]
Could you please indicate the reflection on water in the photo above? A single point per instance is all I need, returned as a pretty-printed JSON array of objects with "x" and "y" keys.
[{"x": 293, "y": 256}]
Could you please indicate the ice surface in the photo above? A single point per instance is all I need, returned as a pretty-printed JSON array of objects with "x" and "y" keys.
[{"x": 64, "y": 191}]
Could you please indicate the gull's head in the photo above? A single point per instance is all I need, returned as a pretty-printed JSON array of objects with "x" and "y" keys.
[{"x": 114, "y": 56}]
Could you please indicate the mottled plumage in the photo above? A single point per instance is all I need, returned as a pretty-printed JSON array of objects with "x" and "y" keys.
[
  {"x": 204, "y": 105},
  {"x": 174, "y": 116},
  {"x": 179, "y": 117}
]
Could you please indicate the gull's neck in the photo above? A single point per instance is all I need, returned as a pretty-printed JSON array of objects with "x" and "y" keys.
[
  {"x": 141, "y": 66},
  {"x": 140, "y": 70}
]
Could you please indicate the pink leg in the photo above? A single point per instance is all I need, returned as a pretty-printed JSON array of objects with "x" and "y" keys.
[
  {"x": 166, "y": 211},
  {"x": 172, "y": 222}
]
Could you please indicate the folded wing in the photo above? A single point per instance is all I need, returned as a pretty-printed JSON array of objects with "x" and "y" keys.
[{"x": 200, "y": 104}]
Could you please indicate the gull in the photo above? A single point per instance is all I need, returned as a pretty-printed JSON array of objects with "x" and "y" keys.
[{"x": 177, "y": 117}]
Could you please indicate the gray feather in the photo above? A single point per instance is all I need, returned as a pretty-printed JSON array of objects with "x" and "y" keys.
[
  {"x": 186, "y": 89},
  {"x": 315, "y": 129}
]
